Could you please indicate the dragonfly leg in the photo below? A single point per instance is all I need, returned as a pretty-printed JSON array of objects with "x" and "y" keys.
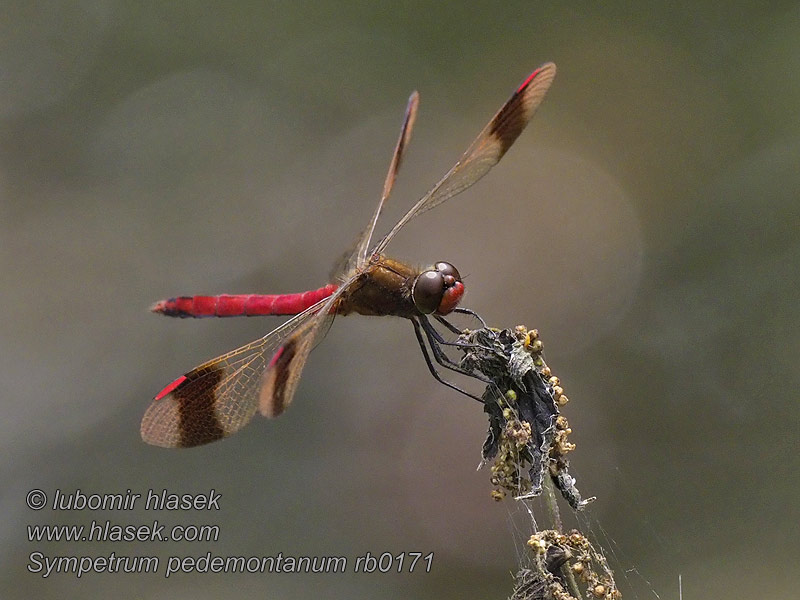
[
  {"x": 435, "y": 339},
  {"x": 448, "y": 324},
  {"x": 433, "y": 370},
  {"x": 431, "y": 331},
  {"x": 467, "y": 311},
  {"x": 438, "y": 336},
  {"x": 456, "y": 330},
  {"x": 463, "y": 311}
]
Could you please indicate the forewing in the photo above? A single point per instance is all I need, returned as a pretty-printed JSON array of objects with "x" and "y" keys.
[
  {"x": 282, "y": 375},
  {"x": 220, "y": 396},
  {"x": 359, "y": 255},
  {"x": 488, "y": 148}
]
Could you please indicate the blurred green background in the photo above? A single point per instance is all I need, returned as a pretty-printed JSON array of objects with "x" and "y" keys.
[{"x": 646, "y": 223}]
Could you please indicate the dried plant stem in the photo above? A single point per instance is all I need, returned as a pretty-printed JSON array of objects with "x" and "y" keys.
[
  {"x": 555, "y": 517},
  {"x": 552, "y": 504}
]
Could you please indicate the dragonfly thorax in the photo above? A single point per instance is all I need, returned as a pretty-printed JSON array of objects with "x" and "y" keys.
[{"x": 390, "y": 287}]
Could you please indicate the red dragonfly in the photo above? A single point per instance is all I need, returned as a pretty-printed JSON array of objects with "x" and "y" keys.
[{"x": 220, "y": 396}]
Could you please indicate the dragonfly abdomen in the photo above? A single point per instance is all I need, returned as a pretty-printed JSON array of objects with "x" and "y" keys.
[{"x": 241, "y": 305}]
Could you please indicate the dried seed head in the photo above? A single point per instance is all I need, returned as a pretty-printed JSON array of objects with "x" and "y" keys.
[{"x": 537, "y": 545}]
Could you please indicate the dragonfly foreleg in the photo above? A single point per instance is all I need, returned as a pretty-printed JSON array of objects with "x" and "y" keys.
[
  {"x": 448, "y": 324},
  {"x": 467, "y": 311},
  {"x": 460, "y": 344},
  {"x": 435, "y": 339},
  {"x": 462, "y": 311},
  {"x": 433, "y": 370},
  {"x": 462, "y": 332}
]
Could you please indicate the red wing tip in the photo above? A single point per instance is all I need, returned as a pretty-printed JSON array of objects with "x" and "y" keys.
[
  {"x": 545, "y": 67},
  {"x": 170, "y": 388}
]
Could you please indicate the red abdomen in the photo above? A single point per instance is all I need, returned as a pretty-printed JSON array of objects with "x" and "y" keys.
[{"x": 242, "y": 305}]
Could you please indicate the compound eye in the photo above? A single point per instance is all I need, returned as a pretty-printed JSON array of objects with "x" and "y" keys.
[
  {"x": 427, "y": 291},
  {"x": 445, "y": 268}
]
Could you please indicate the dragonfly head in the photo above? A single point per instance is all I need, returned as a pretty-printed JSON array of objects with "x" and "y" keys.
[{"x": 438, "y": 289}]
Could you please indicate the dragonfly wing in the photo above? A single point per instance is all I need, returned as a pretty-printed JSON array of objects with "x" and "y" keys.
[
  {"x": 358, "y": 256},
  {"x": 394, "y": 167},
  {"x": 220, "y": 396},
  {"x": 282, "y": 375},
  {"x": 488, "y": 148}
]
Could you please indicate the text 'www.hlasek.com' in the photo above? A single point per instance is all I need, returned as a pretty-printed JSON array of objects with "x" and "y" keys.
[{"x": 94, "y": 528}]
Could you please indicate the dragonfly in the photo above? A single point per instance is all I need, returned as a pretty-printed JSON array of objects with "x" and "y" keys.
[{"x": 220, "y": 396}]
